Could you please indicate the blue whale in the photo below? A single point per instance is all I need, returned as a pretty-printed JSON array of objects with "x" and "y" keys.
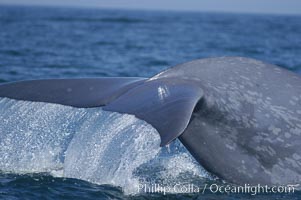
[{"x": 240, "y": 118}]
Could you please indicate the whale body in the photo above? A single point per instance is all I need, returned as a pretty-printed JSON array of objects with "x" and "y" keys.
[{"x": 240, "y": 118}]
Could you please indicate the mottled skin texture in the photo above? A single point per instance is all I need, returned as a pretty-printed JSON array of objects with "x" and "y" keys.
[{"x": 247, "y": 127}]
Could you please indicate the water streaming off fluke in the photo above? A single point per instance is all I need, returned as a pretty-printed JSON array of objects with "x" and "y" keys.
[{"x": 89, "y": 144}]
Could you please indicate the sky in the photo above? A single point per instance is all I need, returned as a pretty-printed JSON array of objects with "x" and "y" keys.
[{"x": 241, "y": 6}]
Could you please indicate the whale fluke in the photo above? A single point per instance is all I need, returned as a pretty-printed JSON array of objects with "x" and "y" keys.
[
  {"x": 81, "y": 92},
  {"x": 166, "y": 104}
]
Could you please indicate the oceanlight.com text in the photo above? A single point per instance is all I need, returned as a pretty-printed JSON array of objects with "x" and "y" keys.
[{"x": 216, "y": 189}]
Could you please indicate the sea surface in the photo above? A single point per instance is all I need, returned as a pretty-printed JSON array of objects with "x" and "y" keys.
[{"x": 50, "y": 151}]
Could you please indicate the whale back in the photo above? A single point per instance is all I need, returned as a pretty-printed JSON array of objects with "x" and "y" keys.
[{"x": 248, "y": 127}]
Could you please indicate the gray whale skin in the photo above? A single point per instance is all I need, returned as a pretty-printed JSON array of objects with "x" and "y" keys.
[{"x": 240, "y": 118}]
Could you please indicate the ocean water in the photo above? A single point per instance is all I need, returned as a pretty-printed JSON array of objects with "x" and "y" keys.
[{"x": 58, "y": 152}]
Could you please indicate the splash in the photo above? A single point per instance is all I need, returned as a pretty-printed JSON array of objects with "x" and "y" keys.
[{"x": 88, "y": 144}]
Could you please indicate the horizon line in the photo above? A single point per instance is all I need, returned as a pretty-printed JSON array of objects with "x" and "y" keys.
[{"x": 152, "y": 9}]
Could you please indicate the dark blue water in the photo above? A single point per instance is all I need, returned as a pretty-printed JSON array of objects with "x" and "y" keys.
[{"x": 38, "y": 42}]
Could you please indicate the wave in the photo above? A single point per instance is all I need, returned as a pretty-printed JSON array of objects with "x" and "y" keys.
[
  {"x": 13, "y": 52},
  {"x": 156, "y": 62},
  {"x": 122, "y": 20},
  {"x": 88, "y": 144}
]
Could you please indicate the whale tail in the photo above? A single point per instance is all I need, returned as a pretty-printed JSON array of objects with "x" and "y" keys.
[{"x": 166, "y": 103}]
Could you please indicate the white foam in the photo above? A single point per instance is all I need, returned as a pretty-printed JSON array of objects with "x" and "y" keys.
[{"x": 89, "y": 144}]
